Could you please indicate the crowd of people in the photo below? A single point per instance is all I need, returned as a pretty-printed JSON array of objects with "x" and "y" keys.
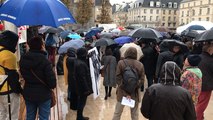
[{"x": 179, "y": 80}]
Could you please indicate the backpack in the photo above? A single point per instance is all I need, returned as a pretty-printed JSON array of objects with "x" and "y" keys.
[{"x": 130, "y": 79}]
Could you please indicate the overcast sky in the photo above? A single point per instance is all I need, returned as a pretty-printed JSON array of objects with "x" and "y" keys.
[{"x": 119, "y": 1}]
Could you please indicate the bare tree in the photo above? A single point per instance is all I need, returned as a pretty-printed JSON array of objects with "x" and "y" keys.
[
  {"x": 84, "y": 11},
  {"x": 105, "y": 17}
]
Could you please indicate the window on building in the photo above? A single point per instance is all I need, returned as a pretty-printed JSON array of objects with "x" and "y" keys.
[
  {"x": 158, "y": 4},
  {"x": 151, "y": 11},
  {"x": 208, "y": 11},
  {"x": 169, "y": 18},
  {"x": 157, "y": 18},
  {"x": 188, "y": 4},
  {"x": 201, "y": 2},
  {"x": 157, "y": 11},
  {"x": 207, "y": 18},
  {"x": 163, "y": 5},
  {"x": 182, "y": 14},
  {"x": 163, "y": 18},
  {"x": 182, "y": 5},
  {"x": 181, "y": 21},
  {"x": 174, "y": 25},
  {"x": 209, "y": 1},
  {"x": 169, "y": 4},
  {"x": 175, "y": 12},
  {"x": 188, "y": 13},
  {"x": 163, "y": 24},
  {"x": 187, "y": 21},
  {"x": 175, "y": 5},
  {"x": 151, "y": 3},
  {"x": 164, "y": 12},
  {"x": 150, "y": 18},
  {"x": 200, "y": 11},
  {"x": 169, "y": 24},
  {"x": 193, "y": 19},
  {"x": 140, "y": 4},
  {"x": 193, "y": 12},
  {"x": 144, "y": 11},
  {"x": 144, "y": 18},
  {"x": 199, "y": 19},
  {"x": 169, "y": 12},
  {"x": 194, "y": 4},
  {"x": 174, "y": 18}
]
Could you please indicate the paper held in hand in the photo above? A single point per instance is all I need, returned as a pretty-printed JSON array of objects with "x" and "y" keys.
[
  {"x": 3, "y": 78},
  {"x": 128, "y": 102}
]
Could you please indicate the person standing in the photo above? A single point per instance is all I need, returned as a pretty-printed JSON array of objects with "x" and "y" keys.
[
  {"x": 80, "y": 84},
  {"x": 39, "y": 77},
  {"x": 109, "y": 63},
  {"x": 191, "y": 78},
  {"x": 10, "y": 90},
  {"x": 206, "y": 67},
  {"x": 131, "y": 59},
  {"x": 167, "y": 100}
]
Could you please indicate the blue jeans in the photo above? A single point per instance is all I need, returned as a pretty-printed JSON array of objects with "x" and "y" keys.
[{"x": 42, "y": 108}]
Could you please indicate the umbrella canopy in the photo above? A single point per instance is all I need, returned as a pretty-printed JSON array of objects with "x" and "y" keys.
[
  {"x": 65, "y": 34},
  {"x": 72, "y": 43},
  {"x": 205, "y": 37},
  {"x": 168, "y": 43},
  {"x": 81, "y": 31},
  {"x": 124, "y": 39},
  {"x": 103, "y": 42},
  {"x": 36, "y": 12},
  {"x": 74, "y": 36},
  {"x": 125, "y": 33},
  {"x": 128, "y": 45},
  {"x": 145, "y": 33},
  {"x": 49, "y": 29},
  {"x": 131, "y": 27},
  {"x": 106, "y": 35},
  {"x": 92, "y": 32},
  {"x": 190, "y": 33}
]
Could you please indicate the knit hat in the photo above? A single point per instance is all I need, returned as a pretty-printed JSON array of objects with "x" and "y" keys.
[
  {"x": 194, "y": 60},
  {"x": 82, "y": 53},
  {"x": 9, "y": 40}
]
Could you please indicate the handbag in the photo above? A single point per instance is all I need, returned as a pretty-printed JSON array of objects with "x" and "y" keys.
[{"x": 53, "y": 97}]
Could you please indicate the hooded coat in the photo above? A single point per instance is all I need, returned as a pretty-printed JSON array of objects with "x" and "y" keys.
[
  {"x": 34, "y": 89},
  {"x": 167, "y": 100},
  {"x": 131, "y": 59}
]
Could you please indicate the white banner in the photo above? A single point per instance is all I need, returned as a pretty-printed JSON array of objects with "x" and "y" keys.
[
  {"x": 22, "y": 33},
  {"x": 95, "y": 65}
]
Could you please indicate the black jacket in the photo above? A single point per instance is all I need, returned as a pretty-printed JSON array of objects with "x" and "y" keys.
[
  {"x": 167, "y": 100},
  {"x": 149, "y": 60},
  {"x": 162, "y": 58},
  {"x": 34, "y": 90},
  {"x": 206, "y": 67}
]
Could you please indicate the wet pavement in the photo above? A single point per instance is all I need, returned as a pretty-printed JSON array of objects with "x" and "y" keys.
[{"x": 101, "y": 109}]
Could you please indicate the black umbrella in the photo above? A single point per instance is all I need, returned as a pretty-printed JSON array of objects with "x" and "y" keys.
[
  {"x": 169, "y": 43},
  {"x": 103, "y": 42},
  {"x": 205, "y": 37},
  {"x": 145, "y": 33},
  {"x": 190, "y": 33}
]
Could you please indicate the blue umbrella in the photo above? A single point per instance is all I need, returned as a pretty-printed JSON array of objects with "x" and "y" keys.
[
  {"x": 72, "y": 43},
  {"x": 124, "y": 39},
  {"x": 36, "y": 12},
  {"x": 74, "y": 36},
  {"x": 92, "y": 32}
]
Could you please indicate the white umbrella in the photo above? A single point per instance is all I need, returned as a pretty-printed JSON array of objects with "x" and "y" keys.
[{"x": 128, "y": 45}]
